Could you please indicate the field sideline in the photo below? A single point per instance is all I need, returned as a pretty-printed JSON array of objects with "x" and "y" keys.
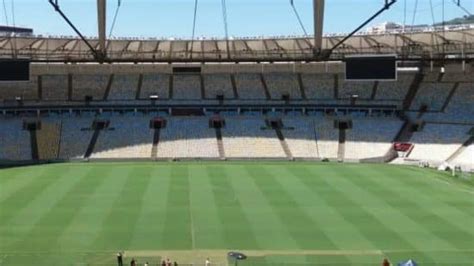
[{"x": 277, "y": 212}]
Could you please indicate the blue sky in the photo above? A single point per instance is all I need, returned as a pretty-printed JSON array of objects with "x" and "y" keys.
[{"x": 173, "y": 18}]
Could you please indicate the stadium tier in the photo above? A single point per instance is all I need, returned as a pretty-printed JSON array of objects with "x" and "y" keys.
[{"x": 281, "y": 111}]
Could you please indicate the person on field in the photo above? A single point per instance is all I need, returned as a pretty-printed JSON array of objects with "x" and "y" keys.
[
  {"x": 208, "y": 262},
  {"x": 175, "y": 263},
  {"x": 133, "y": 263},
  {"x": 146, "y": 264},
  {"x": 120, "y": 259},
  {"x": 168, "y": 262},
  {"x": 385, "y": 262},
  {"x": 163, "y": 263}
]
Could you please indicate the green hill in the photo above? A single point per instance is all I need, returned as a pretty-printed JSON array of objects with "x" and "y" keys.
[{"x": 456, "y": 21}]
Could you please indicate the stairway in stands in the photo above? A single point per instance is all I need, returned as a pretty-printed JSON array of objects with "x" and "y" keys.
[
  {"x": 91, "y": 146},
  {"x": 48, "y": 139},
  {"x": 202, "y": 86},
  {"x": 171, "y": 86},
  {"x": 139, "y": 87},
  {"x": 156, "y": 141},
  {"x": 414, "y": 87},
  {"x": 461, "y": 149},
  {"x": 284, "y": 144},
  {"x": 450, "y": 96},
  {"x": 220, "y": 143},
  {"x": 341, "y": 149},
  {"x": 234, "y": 86},
  {"x": 265, "y": 87},
  {"x": 109, "y": 87},
  {"x": 301, "y": 87},
  {"x": 34, "y": 145},
  {"x": 406, "y": 132}
]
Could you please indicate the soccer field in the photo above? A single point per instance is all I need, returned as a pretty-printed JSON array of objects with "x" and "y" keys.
[{"x": 277, "y": 213}]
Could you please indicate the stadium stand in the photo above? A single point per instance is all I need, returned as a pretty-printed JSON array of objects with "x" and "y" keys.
[
  {"x": 28, "y": 90},
  {"x": 14, "y": 141},
  {"x": 48, "y": 139},
  {"x": 187, "y": 87},
  {"x": 216, "y": 84},
  {"x": 363, "y": 89},
  {"x": 319, "y": 86},
  {"x": 300, "y": 135},
  {"x": 75, "y": 135},
  {"x": 250, "y": 87},
  {"x": 436, "y": 142},
  {"x": 124, "y": 87},
  {"x": 283, "y": 83},
  {"x": 89, "y": 85},
  {"x": 155, "y": 84},
  {"x": 459, "y": 109},
  {"x": 433, "y": 95},
  {"x": 127, "y": 137},
  {"x": 327, "y": 138},
  {"x": 395, "y": 90},
  {"x": 243, "y": 137},
  {"x": 308, "y": 130},
  {"x": 54, "y": 87},
  {"x": 371, "y": 137},
  {"x": 188, "y": 138}
]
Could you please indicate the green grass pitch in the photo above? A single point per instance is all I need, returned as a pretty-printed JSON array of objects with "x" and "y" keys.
[{"x": 277, "y": 213}]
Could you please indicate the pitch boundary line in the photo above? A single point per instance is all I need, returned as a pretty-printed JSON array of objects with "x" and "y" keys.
[
  {"x": 264, "y": 252},
  {"x": 454, "y": 185},
  {"x": 191, "y": 221}
]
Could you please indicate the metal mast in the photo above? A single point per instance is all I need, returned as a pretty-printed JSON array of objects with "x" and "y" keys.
[
  {"x": 101, "y": 21},
  {"x": 318, "y": 6}
]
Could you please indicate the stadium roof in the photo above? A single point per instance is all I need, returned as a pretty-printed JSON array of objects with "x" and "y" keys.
[{"x": 428, "y": 44}]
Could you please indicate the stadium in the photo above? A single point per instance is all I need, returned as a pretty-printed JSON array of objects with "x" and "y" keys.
[{"x": 319, "y": 149}]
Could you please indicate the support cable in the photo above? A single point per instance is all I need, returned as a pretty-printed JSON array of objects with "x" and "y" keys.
[
  {"x": 14, "y": 44},
  {"x": 226, "y": 26},
  {"x": 434, "y": 21},
  {"x": 298, "y": 17},
  {"x": 119, "y": 4},
  {"x": 55, "y": 5},
  {"x": 414, "y": 13},
  {"x": 5, "y": 13},
  {"x": 404, "y": 15},
  {"x": 458, "y": 3},
  {"x": 194, "y": 27}
]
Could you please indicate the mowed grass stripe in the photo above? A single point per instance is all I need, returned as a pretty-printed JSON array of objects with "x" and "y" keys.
[
  {"x": 445, "y": 222},
  {"x": 305, "y": 231},
  {"x": 309, "y": 197},
  {"x": 457, "y": 209},
  {"x": 12, "y": 180},
  {"x": 117, "y": 230},
  {"x": 462, "y": 204},
  {"x": 236, "y": 228},
  {"x": 178, "y": 228},
  {"x": 25, "y": 194},
  {"x": 375, "y": 227},
  {"x": 46, "y": 231},
  {"x": 151, "y": 220},
  {"x": 82, "y": 232},
  {"x": 270, "y": 232},
  {"x": 405, "y": 208},
  {"x": 207, "y": 225},
  {"x": 433, "y": 221},
  {"x": 18, "y": 221},
  {"x": 412, "y": 229}
]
